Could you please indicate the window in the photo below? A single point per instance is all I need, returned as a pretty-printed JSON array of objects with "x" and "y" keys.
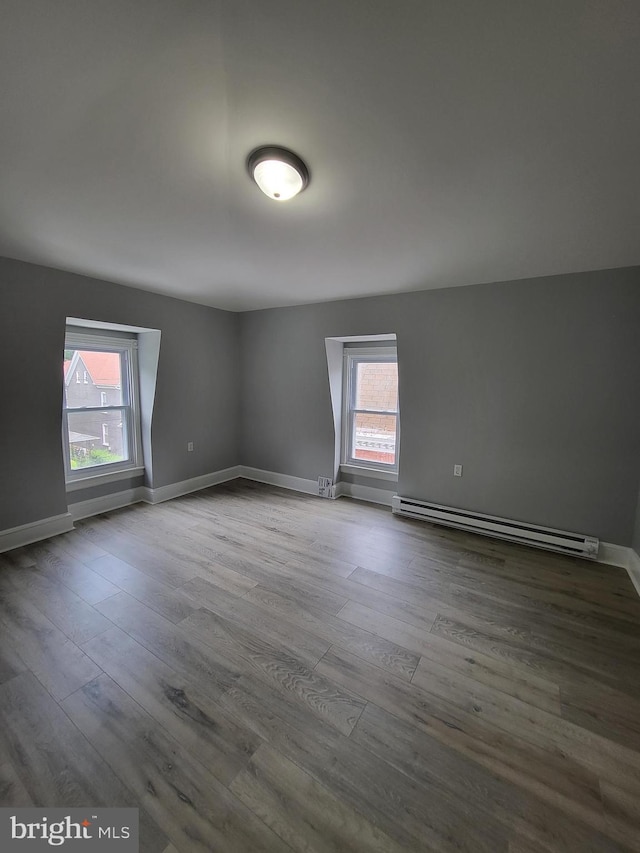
[
  {"x": 98, "y": 438},
  {"x": 371, "y": 420}
]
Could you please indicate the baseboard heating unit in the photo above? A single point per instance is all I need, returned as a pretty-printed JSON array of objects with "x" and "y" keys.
[{"x": 575, "y": 544}]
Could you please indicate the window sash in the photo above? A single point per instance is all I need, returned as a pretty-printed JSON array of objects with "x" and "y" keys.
[
  {"x": 374, "y": 411},
  {"x": 352, "y": 459},
  {"x": 352, "y": 358},
  {"x": 129, "y": 407},
  {"x": 71, "y": 409}
]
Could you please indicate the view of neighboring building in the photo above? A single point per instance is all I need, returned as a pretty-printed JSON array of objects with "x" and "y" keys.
[
  {"x": 94, "y": 379},
  {"x": 375, "y": 424}
]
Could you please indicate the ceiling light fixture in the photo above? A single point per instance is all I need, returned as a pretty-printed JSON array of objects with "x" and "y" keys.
[{"x": 278, "y": 172}]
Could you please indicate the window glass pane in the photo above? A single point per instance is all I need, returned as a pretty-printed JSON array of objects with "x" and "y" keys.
[
  {"x": 374, "y": 438},
  {"x": 94, "y": 378},
  {"x": 376, "y": 385},
  {"x": 97, "y": 438}
]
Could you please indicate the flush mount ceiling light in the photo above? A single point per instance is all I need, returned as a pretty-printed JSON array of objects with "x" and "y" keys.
[{"x": 278, "y": 172}]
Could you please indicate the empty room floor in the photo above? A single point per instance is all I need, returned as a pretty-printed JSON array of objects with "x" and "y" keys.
[{"x": 258, "y": 670}]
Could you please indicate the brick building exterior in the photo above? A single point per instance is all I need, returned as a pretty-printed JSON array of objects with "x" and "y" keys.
[{"x": 377, "y": 388}]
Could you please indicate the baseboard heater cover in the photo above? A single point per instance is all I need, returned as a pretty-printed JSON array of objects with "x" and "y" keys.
[{"x": 575, "y": 544}]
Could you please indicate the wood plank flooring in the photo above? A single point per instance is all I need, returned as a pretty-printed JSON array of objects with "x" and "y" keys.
[{"x": 258, "y": 670}]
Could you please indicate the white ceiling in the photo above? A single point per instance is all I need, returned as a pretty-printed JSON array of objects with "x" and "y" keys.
[{"x": 450, "y": 142}]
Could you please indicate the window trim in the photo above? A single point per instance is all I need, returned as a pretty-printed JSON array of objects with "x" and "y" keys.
[
  {"x": 349, "y": 464},
  {"x": 78, "y": 339},
  {"x": 360, "y": 471}
]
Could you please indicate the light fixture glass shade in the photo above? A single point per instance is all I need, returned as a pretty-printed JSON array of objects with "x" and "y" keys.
[
  {"x": 279, "y": 173},
  {"x": 278, "y": 180}
]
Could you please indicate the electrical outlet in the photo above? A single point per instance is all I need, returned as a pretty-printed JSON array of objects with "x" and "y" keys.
[
  {"x": 325, "y": 487},
  {"x": 457, "y": 470},
  {"x": 190, "y": 446}
]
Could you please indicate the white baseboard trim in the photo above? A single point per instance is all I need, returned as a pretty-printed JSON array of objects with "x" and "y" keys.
[
  {"x": 95, "y": 506},
  {"x": 25, "y": 534},
  {"x": 35, "y": 531},
  {"x": 185, "y": 487},
  {"x": 285, "y": 481},
  {"x": 625, "y": 558},
  {"x": 614, "y": 555},
  {"x": 45, "y": 528},
  {"x": 365, "y": 493},
  {"x": 310, "y": 487},
  {"x": 634, "y": 569}
]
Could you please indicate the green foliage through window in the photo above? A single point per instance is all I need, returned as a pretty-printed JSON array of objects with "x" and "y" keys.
[{"x": 96, "y": 456}]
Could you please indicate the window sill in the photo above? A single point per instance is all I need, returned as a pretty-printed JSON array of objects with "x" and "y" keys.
[
  {"x": 101, "y": 479},
  {"x": 373, "y": 473}
]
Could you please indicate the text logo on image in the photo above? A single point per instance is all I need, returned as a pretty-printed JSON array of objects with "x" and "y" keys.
[{"x": 38, "y": 829}]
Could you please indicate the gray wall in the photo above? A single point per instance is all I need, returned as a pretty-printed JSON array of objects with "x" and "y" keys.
[
  {"x": 196, "y": 395},
  {"x": 529, "y": 384}
]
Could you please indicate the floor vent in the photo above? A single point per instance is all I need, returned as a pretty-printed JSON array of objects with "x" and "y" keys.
[{"x": 575, "y": 544}]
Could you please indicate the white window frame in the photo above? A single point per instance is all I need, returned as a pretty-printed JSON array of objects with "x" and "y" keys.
[
  {"x": 352, "y": 356},
  {"x": 130, "y": 408}
]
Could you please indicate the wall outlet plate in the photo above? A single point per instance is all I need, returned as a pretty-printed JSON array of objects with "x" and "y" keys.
[
  {"x": 325, "y": 487},
  {"x": 457, "y": 470}
]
